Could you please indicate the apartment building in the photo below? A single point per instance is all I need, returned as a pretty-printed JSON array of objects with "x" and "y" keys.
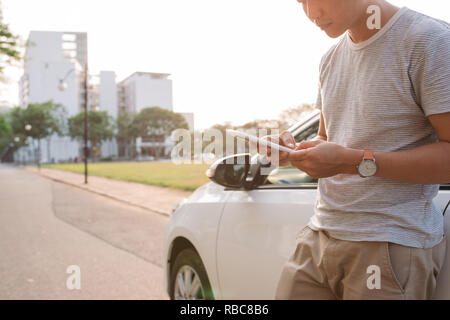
[
  {"x": 143, "y": 90},
  {"x": 53, "y": 58}
]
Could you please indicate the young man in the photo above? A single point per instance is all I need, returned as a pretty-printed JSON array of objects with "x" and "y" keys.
[{"x": 382, "y": 150}]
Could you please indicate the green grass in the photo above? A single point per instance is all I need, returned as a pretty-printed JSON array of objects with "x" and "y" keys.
[{"x": 165, "y": 174}]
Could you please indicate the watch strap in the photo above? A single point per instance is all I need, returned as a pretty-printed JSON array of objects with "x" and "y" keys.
[{"x": 368, "y": 155}]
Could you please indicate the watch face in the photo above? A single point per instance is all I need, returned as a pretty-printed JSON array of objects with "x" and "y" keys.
[{"x": 367, "y": 168}]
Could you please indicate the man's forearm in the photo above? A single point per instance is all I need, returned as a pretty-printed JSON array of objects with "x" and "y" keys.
[{"x": 428, "y": 164}]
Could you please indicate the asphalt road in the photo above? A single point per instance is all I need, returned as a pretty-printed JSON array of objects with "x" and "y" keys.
[{"x": 45, "y": 227}]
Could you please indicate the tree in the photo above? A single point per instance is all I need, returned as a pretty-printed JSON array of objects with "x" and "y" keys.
[
  {"x": 100, "y": 128},
  {"x": 8, "y": 45},
  {"x": 45, "y": 119},
  {"x": 5, "y": 133},
  {"x": 288, "y": 118},
  {"x": 292, "y": 115},
  {"x": 231, "y": 145},
  {"x": 258, "y": 124},
  {"x": 126, "y": 132},
  {"x": 156, "y": 124},
  {"x": 227, "y": 144},
  {"x": 17, "y": 123}
]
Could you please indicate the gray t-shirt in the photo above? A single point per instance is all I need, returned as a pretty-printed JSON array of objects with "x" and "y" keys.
[{"x": 377, "y": 95}]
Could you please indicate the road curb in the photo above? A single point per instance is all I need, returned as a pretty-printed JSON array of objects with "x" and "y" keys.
[{"x": 155, "y": 210}]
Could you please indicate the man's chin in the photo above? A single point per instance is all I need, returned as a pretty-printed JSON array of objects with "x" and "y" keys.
[{"x": 334, "y": 33}]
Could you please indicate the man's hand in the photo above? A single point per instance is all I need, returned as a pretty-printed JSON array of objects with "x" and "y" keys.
[
  {"x": 318, "y": 158},
  {"x": 285, "y": 139}
]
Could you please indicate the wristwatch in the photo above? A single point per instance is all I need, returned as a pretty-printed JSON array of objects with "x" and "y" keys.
[{"x": 368, "y": 167}]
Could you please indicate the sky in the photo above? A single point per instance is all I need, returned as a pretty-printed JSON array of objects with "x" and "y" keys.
[{"x": 234, "y": 60}]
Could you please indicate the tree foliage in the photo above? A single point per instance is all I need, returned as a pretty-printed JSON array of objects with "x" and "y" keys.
[
  {"x": 156, "y": 124},
  {"x": 127, "y": 131},
  {"x": 9, "y": 46},
  {"x": 268, "y": 125},
  {"x": 5, "y": 133},
  {"x": 45, "y": 119},
  {"x": 100, "y": 128},
  {"x": 292, "y": 115},
  {"x": 287, "y": 118}
]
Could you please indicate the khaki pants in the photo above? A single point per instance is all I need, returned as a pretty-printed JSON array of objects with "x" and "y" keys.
[{"x": 326, "y": 268}]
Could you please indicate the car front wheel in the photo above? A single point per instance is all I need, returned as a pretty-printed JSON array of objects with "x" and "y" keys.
[{"x": 188, "y": 280}]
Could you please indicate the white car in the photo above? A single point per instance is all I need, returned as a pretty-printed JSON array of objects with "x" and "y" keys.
[{"x": 231, "y": 238}]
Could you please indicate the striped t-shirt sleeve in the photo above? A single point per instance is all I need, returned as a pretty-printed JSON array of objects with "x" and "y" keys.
[{"x": 431, "y": 73}]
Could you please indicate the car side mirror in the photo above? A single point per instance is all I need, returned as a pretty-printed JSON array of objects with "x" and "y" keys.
[{"x": 231, "y": 171}]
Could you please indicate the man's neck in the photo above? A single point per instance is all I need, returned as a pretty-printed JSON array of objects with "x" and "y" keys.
[{"x": 361, "y": 32}]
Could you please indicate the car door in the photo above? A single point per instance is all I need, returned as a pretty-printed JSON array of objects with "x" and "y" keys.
[
  {"x": 257, "y": 236},
  {"x": 258, "y": 228},
  {"x": 442, "y": 202}
]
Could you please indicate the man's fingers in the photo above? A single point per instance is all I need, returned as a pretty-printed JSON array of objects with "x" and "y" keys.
[
  {"x": 287, "y": 140},
  {"x": 267, "y": 150},
  {"x": 302, "y": 145},
  {"x": 298, "y": 155},
  {"x": 308, "y": 144}
]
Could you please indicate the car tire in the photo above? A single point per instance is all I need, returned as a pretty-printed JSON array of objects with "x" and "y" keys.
[{"x": 189, "y": 267}]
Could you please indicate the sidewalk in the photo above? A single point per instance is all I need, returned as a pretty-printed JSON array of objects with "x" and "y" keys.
[{"x": 153, "y": 198}]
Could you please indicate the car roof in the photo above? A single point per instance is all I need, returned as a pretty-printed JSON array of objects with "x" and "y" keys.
[{"x": 300, "y": 125}]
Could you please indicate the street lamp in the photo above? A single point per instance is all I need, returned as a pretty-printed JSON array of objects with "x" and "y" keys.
[
  {"x": 62, "y": 82},
  {"x": 28, "y": 128},
  {"x": 63, "y": 86}
]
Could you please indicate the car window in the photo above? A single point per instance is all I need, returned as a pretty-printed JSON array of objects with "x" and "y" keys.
[
  {"x": 291, "y": 175},
  {"x": 309, "y": 133}
]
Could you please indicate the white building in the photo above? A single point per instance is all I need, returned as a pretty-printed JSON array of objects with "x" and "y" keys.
[
  {"x": 144, "y": 90},
  {"x": 50, "y": 58},
  {"x": 55, "y": 56},
  {"x": 103, "y": 96},
  {"x": 108, "y": 94}
]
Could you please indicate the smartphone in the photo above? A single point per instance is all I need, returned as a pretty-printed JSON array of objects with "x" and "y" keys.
[{"x": 260, "y": 141}]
